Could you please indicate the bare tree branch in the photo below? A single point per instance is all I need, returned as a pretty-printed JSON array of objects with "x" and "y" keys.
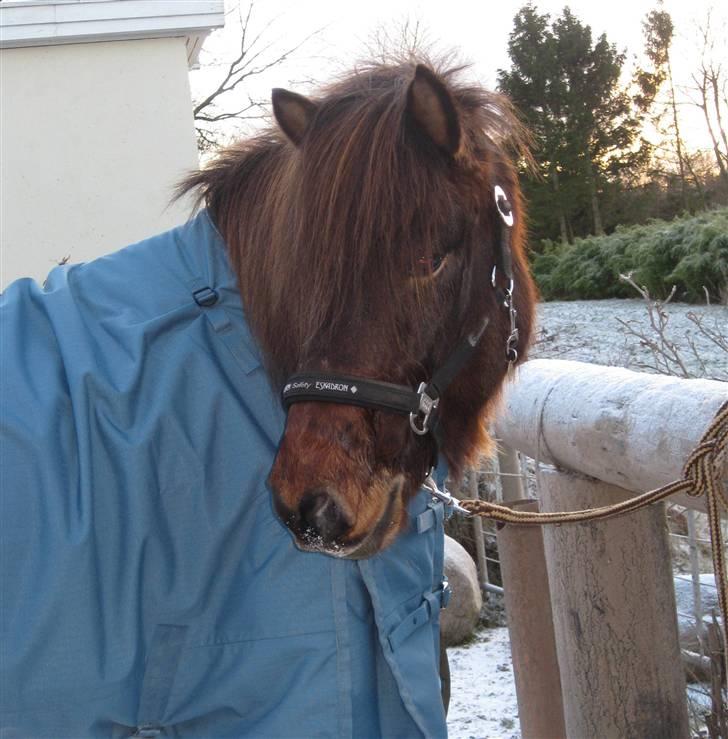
[
  {"x": 253, "y": 57},
  {"x": 710, "y": 82},
  {"x": 407, "y": 39},
  {"x": 667, "y": 357}
]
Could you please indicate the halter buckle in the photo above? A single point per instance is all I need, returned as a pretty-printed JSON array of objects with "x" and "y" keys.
[{"x": 427, "y": 405}]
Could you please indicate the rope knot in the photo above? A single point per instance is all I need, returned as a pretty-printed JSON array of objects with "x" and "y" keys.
[{"x": 700, "y": 466}]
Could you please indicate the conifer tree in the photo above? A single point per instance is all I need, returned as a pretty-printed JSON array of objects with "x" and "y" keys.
[{"x": 567, "y": 86}]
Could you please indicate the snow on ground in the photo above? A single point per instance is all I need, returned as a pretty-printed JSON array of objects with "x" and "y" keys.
[{"x": 483, "y": 696}]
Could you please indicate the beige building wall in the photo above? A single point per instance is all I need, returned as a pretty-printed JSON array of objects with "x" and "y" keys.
[{"x": 93, "y": 137}]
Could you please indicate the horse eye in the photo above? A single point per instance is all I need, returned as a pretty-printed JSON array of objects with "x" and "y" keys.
[{"x": 430, "y": 266}]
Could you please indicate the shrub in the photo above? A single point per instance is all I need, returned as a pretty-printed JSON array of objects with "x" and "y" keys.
[{"x": 690, "y": 253}]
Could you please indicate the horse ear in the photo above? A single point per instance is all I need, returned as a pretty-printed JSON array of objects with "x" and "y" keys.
[
  {"x": 293, "y": 112},
  {"x": 432, "y": 108}
]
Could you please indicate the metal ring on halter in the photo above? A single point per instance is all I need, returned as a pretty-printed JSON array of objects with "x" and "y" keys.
[
  {"x": 413, "y": 424},
  {"x": 427, "y": 405},
  {"x": 500, "y": 199}
]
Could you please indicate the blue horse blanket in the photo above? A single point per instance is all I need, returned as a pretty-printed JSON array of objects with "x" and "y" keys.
[{"x": 147, "y": 587}]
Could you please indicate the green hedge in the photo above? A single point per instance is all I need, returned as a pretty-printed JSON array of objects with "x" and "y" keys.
[{"x": 690, "y": 252}]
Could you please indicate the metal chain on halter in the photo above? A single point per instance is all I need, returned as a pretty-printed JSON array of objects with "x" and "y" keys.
[{"x": 701, "y": 476}]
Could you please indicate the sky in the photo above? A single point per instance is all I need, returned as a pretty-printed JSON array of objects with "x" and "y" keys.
[{"x": 476, "y": 30}]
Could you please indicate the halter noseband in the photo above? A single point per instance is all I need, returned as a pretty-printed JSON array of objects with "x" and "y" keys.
[{"x": 421, "y": 405}]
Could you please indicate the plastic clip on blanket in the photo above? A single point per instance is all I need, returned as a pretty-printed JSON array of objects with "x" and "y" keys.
[{"x": 450, "y": 501}]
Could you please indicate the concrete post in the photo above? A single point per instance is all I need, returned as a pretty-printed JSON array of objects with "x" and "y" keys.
[{"x": 614, "y": 616}]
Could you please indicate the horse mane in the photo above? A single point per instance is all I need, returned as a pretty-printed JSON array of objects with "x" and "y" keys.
[{"x": 364, "y": 194}]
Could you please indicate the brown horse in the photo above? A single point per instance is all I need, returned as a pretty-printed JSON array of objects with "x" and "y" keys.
[{"x": 364, "y": 233}]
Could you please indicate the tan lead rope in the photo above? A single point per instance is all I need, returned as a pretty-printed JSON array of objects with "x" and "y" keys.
[{"x": 701, "y": 475}]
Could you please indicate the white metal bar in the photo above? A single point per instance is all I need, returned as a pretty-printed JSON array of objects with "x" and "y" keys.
[
  {"x": 695, "y": 574},
  {"x": 702, "y": 584}
]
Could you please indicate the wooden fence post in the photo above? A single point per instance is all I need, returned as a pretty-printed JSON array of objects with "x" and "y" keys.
[
  {"x": 478, "y": 538},
  {"x": 614, "y": 616},
  {"x": 531, "y": 628}
]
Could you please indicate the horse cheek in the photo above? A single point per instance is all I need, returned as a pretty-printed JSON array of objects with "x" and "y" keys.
[{"x": 391, "y": 438}]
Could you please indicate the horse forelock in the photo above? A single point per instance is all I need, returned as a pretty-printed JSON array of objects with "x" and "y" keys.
[{"x": 320, "y": 235}]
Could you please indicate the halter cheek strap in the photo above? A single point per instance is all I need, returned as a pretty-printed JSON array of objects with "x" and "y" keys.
[{"x": 504, "y": 264}]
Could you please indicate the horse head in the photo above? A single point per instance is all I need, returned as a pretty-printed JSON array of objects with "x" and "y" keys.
[{"x": 369, "y": 231}]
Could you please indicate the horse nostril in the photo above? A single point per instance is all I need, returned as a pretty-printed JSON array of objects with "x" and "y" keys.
[{"x": 321, "y": 516}]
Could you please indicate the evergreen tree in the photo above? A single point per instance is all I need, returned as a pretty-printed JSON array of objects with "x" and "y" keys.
[
  {"x": 658, "y": 32},
  {"x": 568, "y": 89}
]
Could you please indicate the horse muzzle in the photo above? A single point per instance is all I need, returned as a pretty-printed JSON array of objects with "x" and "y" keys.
[{"x": 321, "y": 522}]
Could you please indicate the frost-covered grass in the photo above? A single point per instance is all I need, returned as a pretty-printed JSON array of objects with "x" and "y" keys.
[{"x": 590, "y": 331}]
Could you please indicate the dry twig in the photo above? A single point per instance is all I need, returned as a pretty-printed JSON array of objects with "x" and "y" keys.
[{"x": 667, "y": 355}]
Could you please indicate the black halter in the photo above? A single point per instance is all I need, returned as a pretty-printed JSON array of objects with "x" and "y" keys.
[{"x": 421, "y": 405}]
